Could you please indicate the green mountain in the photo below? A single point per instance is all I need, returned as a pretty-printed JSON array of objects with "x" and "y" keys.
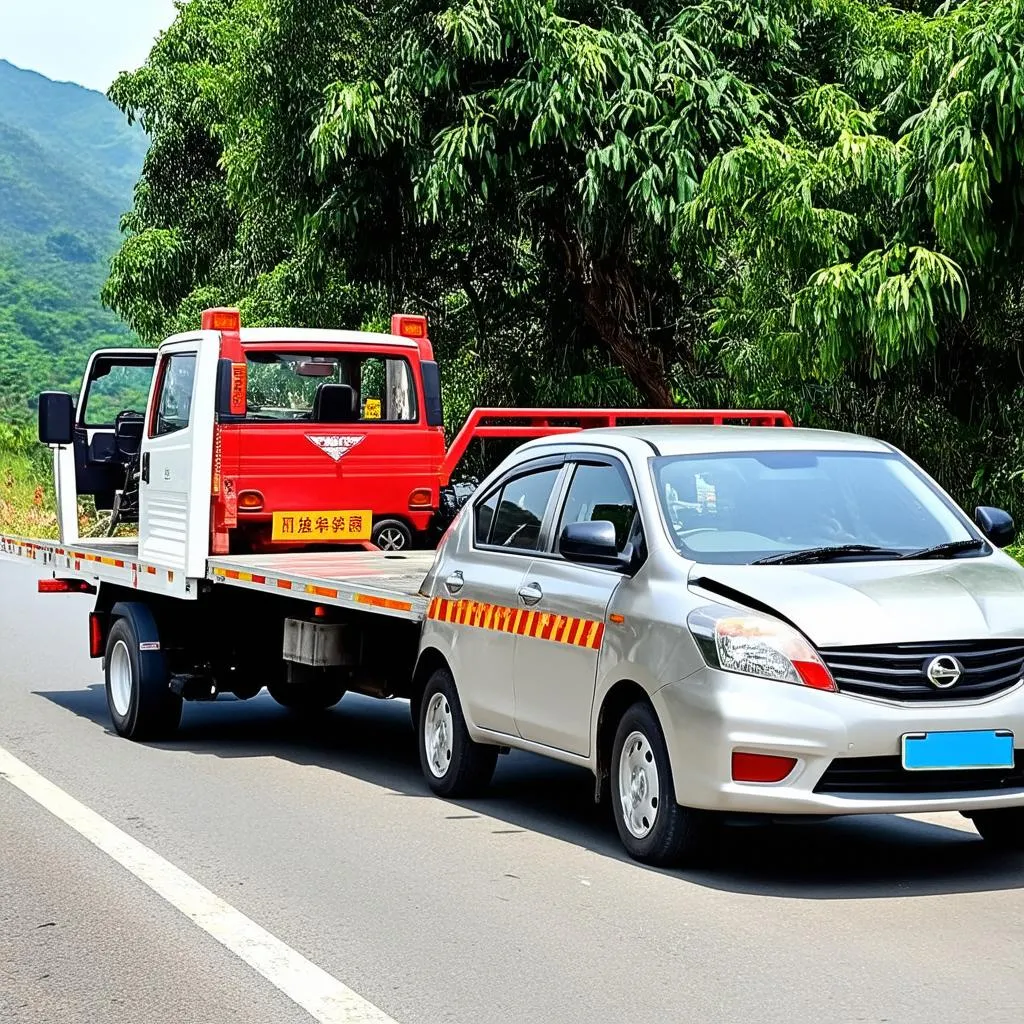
[{"x": 68, "y": 164}]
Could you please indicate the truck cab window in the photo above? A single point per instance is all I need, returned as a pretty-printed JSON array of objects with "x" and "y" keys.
[
  {"x": 319, "y": 387},
  {"x": 174, "y": 402}
]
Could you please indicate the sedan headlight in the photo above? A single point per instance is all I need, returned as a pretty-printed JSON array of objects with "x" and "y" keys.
[{"x": 757, "y": 645}]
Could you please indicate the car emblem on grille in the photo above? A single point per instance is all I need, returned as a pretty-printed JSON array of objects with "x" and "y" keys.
[{"x": 944, "y": 671}]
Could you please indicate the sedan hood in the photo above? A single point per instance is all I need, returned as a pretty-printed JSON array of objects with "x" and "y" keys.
[{"x": 852, "y": 603}]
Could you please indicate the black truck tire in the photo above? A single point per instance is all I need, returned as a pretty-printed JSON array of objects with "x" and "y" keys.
[{"x": 139, "y": 698}]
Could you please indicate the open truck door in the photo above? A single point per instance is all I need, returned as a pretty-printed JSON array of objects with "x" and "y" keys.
[
  {"x": 176, "y": 461},
  {"x": 96, "y": 442}
]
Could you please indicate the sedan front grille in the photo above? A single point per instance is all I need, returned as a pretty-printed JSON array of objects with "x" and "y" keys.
[
  {"x": 877, "y": 776},
  {"x": 898, "y": 671}
]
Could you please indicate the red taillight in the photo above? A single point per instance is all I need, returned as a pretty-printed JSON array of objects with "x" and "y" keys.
[
  {"x": 250, "y": 501},
  {"x": 421, "y": 498},
  {"x": 97, "y": 641},
  {"x": 65, "y": 587},
  {"x": 760, "y": 767}
]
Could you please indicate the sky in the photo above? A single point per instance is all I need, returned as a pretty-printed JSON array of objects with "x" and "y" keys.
[{"x": 85, "y": 41}]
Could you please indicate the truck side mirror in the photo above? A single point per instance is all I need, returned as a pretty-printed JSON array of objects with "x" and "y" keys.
[
  {"x": 432, "y": 393},
  {"x": 996, "y": 524},
  {"x": 56, "y": 418}
]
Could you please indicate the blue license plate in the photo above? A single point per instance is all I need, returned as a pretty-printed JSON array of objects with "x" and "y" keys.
[{"x": 931, "y": 751}]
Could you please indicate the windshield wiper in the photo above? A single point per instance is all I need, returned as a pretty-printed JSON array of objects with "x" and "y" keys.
[
  {"x": 824, "y": 554},
  {"x": 950, "y": 549}
]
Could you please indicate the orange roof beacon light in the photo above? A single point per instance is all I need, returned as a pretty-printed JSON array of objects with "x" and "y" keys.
[
  {"x": 222, "y": 320},
  {"x": 409, "y": 326}
]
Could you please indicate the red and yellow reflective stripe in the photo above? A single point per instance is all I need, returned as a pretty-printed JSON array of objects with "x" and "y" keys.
[{"x": 560, "y": 629}]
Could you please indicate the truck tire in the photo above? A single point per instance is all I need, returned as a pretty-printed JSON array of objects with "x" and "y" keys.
[
  {"x": 306, "y": 699},
  {"x": 1002, "y": 827},
  {"x": 391, "y": 535},
  {"x": 653, "y": 828},
  {"x": 139, "y": 699},
  {"x": 453, "y": 765}
]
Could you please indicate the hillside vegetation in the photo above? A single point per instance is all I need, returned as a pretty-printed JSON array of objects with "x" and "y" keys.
[{"x": 68, "y": 165}]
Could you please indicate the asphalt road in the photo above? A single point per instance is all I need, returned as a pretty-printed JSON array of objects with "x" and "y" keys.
[{"x": 518, "y": 908}]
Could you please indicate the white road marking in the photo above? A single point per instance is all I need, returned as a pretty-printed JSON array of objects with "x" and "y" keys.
[{"x": 322, "y": 996}]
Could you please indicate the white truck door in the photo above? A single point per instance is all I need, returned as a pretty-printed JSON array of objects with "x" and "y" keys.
[
  {"x": 177, "y": 457},
  {"x": 114, "y": 390}
]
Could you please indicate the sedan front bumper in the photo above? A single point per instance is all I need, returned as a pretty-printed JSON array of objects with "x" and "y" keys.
[{"x": 712, "y": 713}]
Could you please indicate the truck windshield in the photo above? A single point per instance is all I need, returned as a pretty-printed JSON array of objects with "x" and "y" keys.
[
  {"x": 342, "y": 387},
  {"x": 741, "y": 507}
]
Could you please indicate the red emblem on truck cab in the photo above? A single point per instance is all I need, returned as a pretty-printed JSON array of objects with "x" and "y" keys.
[{"x": 335, "y": 445}]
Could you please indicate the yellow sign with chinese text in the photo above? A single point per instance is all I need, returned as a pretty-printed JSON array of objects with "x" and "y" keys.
[
  {"x": 304, "y": 527},
  {"x": 371, "y": 411}
]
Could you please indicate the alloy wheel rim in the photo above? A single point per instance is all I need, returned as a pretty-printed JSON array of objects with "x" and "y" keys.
[{"x": 391, "y": 539}]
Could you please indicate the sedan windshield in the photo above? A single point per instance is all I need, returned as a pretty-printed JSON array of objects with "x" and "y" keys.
[{"x": 806, "y": 506}]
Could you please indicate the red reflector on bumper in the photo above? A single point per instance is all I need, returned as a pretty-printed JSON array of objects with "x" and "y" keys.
[
  {"x": 66, "y": 587},
  {"x": 760, "y": 767},
  {"x": 97, "y": 641}
]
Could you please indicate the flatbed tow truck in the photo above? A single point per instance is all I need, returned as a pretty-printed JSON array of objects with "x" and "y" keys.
[{"x": 260, "y": 475}]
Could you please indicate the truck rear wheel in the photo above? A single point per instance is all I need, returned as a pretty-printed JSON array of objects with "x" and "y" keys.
[
  {"x": 453, "y": 765},
  {"x": 139, "y": 699},
  {"x": 306, "y": 698}
]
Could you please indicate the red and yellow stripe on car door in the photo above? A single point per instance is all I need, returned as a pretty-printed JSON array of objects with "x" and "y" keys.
[{"x": 561, "y": 629}]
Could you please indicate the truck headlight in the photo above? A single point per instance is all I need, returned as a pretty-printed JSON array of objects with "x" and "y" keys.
[{"x": 757, "y": 645}]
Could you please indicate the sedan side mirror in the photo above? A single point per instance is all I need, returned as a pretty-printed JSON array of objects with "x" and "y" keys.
[
  {"x": 594, "y": 543},
  {"x": 996, "y": 524},
  {"x": 56, "y": 418}
]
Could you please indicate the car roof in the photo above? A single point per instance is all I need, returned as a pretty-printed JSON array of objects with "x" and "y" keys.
[{"x": 686, "y": 439}]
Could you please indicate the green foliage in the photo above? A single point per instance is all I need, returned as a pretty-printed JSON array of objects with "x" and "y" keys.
[{"x": 812, "y": 204}]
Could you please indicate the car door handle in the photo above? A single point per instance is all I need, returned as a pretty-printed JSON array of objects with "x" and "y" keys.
[
  {"x": 530, "y": 593},
  {"x": 145, "y": 467},
  {"x": 455, "y": 582}
]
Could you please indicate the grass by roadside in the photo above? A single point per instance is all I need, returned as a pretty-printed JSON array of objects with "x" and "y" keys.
[{"x": 26, "y": 485}]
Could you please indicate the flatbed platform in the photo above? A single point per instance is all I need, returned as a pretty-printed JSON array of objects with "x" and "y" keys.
[{"x": 369, "y": 581}]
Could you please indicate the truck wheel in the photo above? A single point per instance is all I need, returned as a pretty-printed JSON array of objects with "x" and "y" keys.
[
  {"x": 141, "y": 704},
  {"x": 653, "y": 828},
  {"x": 306, "y": 698},
  {"x": 1002, "y": 827},
  {"x": 391, "y": 535},
  {"x": 454, "y": 766}
]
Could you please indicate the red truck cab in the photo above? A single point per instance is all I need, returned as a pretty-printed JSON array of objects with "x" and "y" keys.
[{"x": 340, "y": 439}]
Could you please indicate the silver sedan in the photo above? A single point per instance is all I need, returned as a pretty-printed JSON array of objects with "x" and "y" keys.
[{"x": 729, "y": 621}]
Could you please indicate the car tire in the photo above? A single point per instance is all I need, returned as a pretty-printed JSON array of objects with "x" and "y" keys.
[
  {"x": 141, "y": 704},
  {"x": 306, "y": 699},
  {"x": 453, "y": 765},
  {"x": 391, "y": 535},
  {"x": 1002, "y": 827},
  {"x": 653, "y": 828}
]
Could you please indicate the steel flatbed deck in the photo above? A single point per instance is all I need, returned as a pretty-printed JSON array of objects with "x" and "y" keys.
[{"x": 376, "y": 582}]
